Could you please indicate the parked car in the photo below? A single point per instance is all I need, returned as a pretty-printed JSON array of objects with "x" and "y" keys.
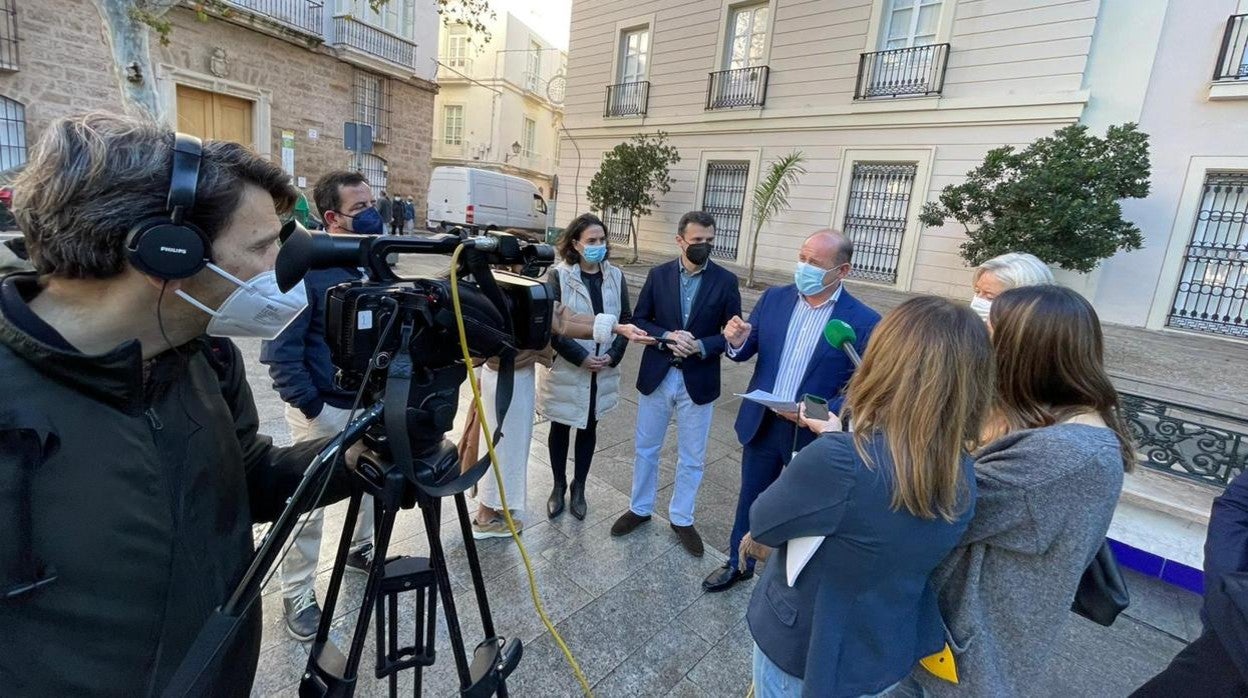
[{"x": 483, "y": 200}]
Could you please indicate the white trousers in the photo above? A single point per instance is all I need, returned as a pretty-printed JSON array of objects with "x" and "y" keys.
[
  {"x": 513, "y": 450},
  {"x": 298, "y": 570}
]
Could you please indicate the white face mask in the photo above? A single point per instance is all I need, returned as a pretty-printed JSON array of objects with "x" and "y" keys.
[
  {"x": 257, "y": 308},
  {"x": 981, "y": 306}
]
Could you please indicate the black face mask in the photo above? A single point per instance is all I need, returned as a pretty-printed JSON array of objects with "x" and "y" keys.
[{"x": 698, "y": 252}]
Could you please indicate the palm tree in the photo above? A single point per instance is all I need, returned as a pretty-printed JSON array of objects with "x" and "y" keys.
[{"x": 771, "y": 196}]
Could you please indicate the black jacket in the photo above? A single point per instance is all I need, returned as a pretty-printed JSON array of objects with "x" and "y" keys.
[
  {"x": 659, "y": 310},
  {"x": 141, "y": 494},
  {"x": 298, "y": 359}
]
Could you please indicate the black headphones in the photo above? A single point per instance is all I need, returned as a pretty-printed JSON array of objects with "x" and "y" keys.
[{"x": 171, "y": 248}]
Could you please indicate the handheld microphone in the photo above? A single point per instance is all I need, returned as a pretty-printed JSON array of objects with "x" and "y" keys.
[{"x": 839, "y": 334}]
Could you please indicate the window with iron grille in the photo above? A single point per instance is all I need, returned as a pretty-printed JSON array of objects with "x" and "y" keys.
[
  {"x": 373, "y": 167},
  {"x": 453, "y": 124},
  {"x": 12, "y": 133},
  {"x": 875, "y": 217},
  {"x": 8, "y": 35},
  {"x": 724, "y": 198},
  {"x": 1212, "y": 293},
  {"x": 372, "y": 104},
  {"x": 617, "y": 222}
]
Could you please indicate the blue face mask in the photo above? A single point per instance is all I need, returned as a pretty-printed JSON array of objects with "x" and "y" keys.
[
  {"x": 595, "y": 253},
  {"x": 367, "y": 222},
  {"x": 809, "y": 279}
]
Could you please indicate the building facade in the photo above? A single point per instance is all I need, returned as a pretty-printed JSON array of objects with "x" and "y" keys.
[
  {"x": 500, "y": 103},
  {"x": 891, "y": 100},
  {"x": 282, "y": 76}
]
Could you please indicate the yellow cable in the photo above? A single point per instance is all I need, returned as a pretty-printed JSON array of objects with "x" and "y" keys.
[{"x": 498, "y": 477}]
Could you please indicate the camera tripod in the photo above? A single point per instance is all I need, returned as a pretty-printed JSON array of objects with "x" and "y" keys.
[{"x": 400, "y": 470}]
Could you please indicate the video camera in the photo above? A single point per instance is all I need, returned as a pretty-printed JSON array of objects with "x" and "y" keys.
[{"x": 502, "y": 310}]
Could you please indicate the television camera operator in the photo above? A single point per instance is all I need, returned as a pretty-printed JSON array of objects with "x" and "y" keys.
[{"x": 131, "y": 469}]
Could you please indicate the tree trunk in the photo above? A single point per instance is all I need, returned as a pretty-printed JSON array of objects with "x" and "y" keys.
[
  {"x": 129, "y": 39},
  {"x": 758, "y": 230},
  {"x": 632, "y": 231}
]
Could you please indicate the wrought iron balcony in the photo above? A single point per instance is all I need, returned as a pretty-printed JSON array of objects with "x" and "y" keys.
[
  {"x": 350, "y": 32},
  {"x": 627, "y": 99},
  {"x": 743, "y": 87},
  {"x": 918, "y": 71},
  {"x": 457, "y": 68},
  {"x": 300, "y": 15},
  {"x": 1186, "y": 441},
  {"x": 1233, "y": 58}
]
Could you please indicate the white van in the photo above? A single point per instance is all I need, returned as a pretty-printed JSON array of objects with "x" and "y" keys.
[{"x": 483, "y": 200}]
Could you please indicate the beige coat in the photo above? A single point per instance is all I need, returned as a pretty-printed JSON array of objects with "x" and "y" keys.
[{"x": 563, "y": 389}]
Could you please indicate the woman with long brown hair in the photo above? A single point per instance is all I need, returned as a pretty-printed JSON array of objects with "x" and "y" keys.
[
  {"x": 1047, "y": 492},
  {"x": 879, "y": 508}
]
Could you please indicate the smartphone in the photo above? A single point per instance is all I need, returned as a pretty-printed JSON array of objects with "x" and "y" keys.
[
  {"x": 665, "y": 341},
  {"x": 816, "y": 407}
]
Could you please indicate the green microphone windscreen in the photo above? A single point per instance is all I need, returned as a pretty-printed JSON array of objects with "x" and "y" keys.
[{"x": 838, "y": 332}]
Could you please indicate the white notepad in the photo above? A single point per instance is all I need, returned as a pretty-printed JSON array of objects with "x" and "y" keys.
[{"x": 800, "y": 552}]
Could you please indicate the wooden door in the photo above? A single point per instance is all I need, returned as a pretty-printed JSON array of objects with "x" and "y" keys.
[{"x": 214, "y": 116}]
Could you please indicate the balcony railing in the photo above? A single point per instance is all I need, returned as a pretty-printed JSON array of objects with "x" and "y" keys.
[
  {"x": 743, "y": 87},
  {"x": 627, "y": 99},
  {"x": 1186, "y": 441},
  {"x": 1233, "y": 58},
  {"x": 352, "y": 33},
  {"x": 454, "y": 68},
  {"x": 904, "y": 72},
  {"x": 300, "y": 15}
]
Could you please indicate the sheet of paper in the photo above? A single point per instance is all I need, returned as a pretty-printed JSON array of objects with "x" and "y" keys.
[
  {"x": 769, "y": 401},
  {"x": 800, "y": 552}
]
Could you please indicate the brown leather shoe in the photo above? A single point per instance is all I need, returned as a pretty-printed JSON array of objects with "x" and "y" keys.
[
  {"x": 689, "y": 538},
  {"x": 627, "y": 523}
]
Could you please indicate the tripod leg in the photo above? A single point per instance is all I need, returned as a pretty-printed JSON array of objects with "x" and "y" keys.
[
  {"x": 385, "y": 506},
  {"x": 431, "y": 511},
  {"x": 478, "y": 580},
  {"x": 335, "y": 577}
]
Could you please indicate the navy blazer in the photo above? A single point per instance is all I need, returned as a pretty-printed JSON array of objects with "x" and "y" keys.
[
  {"x": 863, "y": 611},
  {"x": 829, "y": 370},
  {"x": 658, "y": 310},
  {"x": 298, "y": 358}
]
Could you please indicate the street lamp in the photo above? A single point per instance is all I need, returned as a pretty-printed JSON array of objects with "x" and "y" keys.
[{"x": 515, "y": 151}]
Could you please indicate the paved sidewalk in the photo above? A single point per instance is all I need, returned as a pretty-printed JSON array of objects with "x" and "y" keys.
[{"x": 632, "y": 609}]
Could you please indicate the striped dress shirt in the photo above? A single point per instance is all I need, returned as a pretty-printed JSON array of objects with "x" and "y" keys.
[{"x": 805, "y": 333}]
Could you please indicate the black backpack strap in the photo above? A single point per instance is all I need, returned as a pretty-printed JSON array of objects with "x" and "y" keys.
[{"x": 27, "y": 441}]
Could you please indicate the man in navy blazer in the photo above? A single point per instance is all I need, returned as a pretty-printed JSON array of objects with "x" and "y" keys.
[
  {"x": 687, "y": 301},
  {"x": 785, "y": 331}
]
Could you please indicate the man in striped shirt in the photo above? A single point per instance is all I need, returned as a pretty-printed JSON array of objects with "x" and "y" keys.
[{"x": 785, "y": 331}]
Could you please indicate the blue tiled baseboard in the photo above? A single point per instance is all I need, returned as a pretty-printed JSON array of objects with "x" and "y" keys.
[{"x": 1154, "y": 565}]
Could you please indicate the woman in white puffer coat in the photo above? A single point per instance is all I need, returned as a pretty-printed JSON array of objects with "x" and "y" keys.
[{"x": 583, "y": 382}]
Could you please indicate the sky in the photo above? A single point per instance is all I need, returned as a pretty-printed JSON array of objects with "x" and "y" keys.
[{"x": 550, "y": 18}]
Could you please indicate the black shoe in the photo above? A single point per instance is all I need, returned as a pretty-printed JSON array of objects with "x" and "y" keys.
[
  {"x": 303, "y": 615},
  {"x": 577, "y": 503},
  {"x": 627, "y": 523},
  {"x": 724, "y": 578},
  {"x": 689, "y": 538},
  {"x": 554, "y": 505},
  {"x": 361, "y": 559}
]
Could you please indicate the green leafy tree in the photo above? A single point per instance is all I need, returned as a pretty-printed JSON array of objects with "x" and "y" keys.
[
  {"x": 771, "y": 196},
  {"x": 1058, "y": 198},
  {"x": 632, "y": 175},
  {"x": 129, "y": 24}
]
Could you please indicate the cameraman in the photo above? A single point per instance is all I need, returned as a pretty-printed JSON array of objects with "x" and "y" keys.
[
  {"x": 303, "y": 375},
  {"x": 131, "y": 470}
]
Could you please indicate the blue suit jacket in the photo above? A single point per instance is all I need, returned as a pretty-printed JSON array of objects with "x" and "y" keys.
[
  {"x": 658, "y": 310},
  {"x": 829, "y": 369},
  {"x": 863, "y": 611}
]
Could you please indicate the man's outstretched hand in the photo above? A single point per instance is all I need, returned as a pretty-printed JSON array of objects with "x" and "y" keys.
[{"x": 633, "y": 333}]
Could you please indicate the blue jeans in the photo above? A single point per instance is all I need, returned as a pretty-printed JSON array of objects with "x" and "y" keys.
[
  {"x": 770, "y": 681},
  {"x": 693, "y": 427}
]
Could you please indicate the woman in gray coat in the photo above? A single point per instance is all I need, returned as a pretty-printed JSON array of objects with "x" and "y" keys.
[{"x": 1047, "y": 492}]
